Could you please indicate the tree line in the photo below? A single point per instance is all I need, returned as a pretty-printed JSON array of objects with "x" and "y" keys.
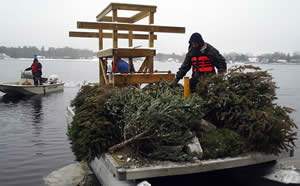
[
  {"x": 264, "y": 58},
  {"x": 71, "y": 53},
  {"x": 51, "y": 52},
  {"x": 240, "y": 57}
]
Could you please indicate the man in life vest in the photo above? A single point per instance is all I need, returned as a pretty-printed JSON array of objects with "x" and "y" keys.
[
  {"x": 36, "y": 69},
  {"x": 203, "y": 58}
]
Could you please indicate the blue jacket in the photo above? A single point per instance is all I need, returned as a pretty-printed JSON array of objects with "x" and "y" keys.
[{"x": 122, "y": 66}]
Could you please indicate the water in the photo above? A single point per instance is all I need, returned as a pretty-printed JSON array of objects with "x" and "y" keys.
[{"x": 33, "y": 140}]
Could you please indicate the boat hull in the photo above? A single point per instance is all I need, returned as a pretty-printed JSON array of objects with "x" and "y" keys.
[{"x": 15, "y": 88}]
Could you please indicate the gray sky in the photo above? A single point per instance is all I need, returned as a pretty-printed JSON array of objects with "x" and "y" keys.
[{"x": 248, "y": 26}]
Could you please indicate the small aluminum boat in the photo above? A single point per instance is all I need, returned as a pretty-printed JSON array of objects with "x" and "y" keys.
[{"x": 26, "y": 85}]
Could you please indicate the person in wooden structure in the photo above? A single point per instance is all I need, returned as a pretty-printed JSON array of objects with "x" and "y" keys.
[
  {"x": 203, "y": 58},
  {"x": 121, "y": 66}
]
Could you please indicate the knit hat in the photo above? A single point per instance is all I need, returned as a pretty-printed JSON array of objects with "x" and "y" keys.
[{"x": 196, "y": 37}]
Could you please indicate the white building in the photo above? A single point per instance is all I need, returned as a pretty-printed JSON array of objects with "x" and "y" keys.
[
  {"x": 253, "y": 59},
  {"x": 3, "y": 56}
]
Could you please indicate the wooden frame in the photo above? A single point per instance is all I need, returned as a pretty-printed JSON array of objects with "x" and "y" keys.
[
  {"x": 130, "y": 27},
  {"x": 143, "y": 11},
  {"x": 147, "y": 65},
  {"x": 145, "y": 72},
  {"x": 126, "y": 52},
  {"x": 121, "y": 80},
  {"x": 109, "y": 35}
]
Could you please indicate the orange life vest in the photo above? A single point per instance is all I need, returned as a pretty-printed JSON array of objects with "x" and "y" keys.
[{"x": 202, "y": 64}]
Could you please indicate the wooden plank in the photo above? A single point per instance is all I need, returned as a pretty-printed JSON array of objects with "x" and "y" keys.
[
  {"x": 129, "y": 79},
  {"x": 151, "y": 43},
  {"x": 120, "y": 19},
  {"x": 130, "y": 43},
  {"x": 109, "y": 35},
  {"x": 126, "y": 52},
  {"x": 104, "y": 12},
  {"x": 84, "y": 34},
  {"x": 115, "y": 38},
  {"x": 135, "y": 7},
  {"x": 129, "y": 52},
  {"x": 130, "y": 27},
  {"x": 104, "y": 61},
  {"x": 138, "y": 16},
  {"x": 143, "y": 67},
  {"x": 150, "y": 64},
  {"x": 100, "y": 39},
  {"x": 131, "y": 66},
  {"x": 151, "y": 18},
  {"x": 105, "y": 53},
  {"x": 103, "y": 78},
  {"x": 115, "y": 15}
]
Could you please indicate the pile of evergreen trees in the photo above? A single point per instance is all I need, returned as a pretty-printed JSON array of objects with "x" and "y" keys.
[{"x": 157, "y": 123}]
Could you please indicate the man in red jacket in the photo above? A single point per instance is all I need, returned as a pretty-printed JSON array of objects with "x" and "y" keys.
[
  {"x": 36, "y": 69},
  {"x": 203, "y": 58}
]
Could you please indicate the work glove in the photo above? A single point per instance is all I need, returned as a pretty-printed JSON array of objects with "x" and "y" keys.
[{"x": 174, "y": 83}]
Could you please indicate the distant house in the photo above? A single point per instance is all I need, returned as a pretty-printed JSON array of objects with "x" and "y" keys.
[
  {"x": 253, "y": 59},
  {"x": 281, "y": 61},
  {"x": 41, "y": 57},
  {"x": 3, "y": 56}
]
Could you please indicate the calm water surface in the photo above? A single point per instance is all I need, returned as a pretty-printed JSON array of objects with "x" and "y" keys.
[{"x": 33, "y": 140}]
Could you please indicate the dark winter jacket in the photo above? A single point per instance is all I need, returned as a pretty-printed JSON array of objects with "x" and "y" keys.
[{"x": 216, "y": 59}]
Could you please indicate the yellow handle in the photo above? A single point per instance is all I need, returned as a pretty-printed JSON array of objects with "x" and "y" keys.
[{"x": 186, "y": 87}]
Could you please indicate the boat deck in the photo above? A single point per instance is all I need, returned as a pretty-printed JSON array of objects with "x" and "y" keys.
[{"x": 167, "y": 168}]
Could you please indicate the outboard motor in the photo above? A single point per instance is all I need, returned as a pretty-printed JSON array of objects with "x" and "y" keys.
[{"x": 53, "y": 79}]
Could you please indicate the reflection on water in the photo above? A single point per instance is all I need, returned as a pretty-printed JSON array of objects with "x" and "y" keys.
[
  {"x": 37, "y": 109},
  {"x": 7, "y": 98},
  {"x": 33, "y": 139}
]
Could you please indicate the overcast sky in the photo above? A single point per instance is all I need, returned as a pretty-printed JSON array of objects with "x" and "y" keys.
[{"x": 247, "y": 26}]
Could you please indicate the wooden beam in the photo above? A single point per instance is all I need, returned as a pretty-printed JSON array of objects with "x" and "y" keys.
[
  {"x": 126, "y": 52},
  {"x": 138, "y": 16},
  {"x": 115, "y": 15},
  {"x": 104, "y": 12},
  {"x": 130, "y": 27},
  {"x": 120, "y": 19},
  {"x": 130, "y": 43},
  {"x": 128, "y": 79},
  {"x": 134, "y": 7},
  {"x": 109, "y": 35},
  {"x": 100, "y": 39},
  {"x": 103, "y": 78},
  {"x": 151, "y": 18},
  {"x": 84, "y": 34},
  {"x": 115, "y": 38},
  {"x": 151, "y": 43},
  {"x": 150, "y": 64},
  {"x": 130, "y": 66},
  {"x": 143, "y": 67},
  {"x": 123, "y": 6}
]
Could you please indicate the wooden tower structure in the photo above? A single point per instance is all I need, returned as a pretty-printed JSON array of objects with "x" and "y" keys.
[{"x": 115, "y": 23}]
